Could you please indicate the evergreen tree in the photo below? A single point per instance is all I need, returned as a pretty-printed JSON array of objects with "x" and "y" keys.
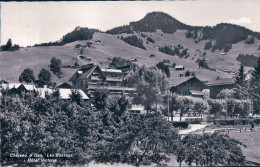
[
  {"x": 255, "y": 88},
  {"x": 240, "y": 79}
]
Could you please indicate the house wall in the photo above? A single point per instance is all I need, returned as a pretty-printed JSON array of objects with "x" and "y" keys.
[
  {"x": 214, "y": 90},
  {"x": 192, "y": 84}
]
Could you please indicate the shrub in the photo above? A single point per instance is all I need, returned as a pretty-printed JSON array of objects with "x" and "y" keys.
[
  {"x": 167, "y": 50},
  {"x": 152, "y": 55},
  {"x": 77, "y": 46},
  {"x": 182, "y": 124},
  {"x": 150, "y": 40},
  {"x": 134, "y": 41},
  {"x": 227, "y": 122}
]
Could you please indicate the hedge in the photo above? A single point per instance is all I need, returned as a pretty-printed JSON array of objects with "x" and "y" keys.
[
  {"x": 182, "y": 124},
  {"x": 236, "y": 121}
]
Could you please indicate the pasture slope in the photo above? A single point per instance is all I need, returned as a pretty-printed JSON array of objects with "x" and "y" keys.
[{"x": 36, "y": 58}]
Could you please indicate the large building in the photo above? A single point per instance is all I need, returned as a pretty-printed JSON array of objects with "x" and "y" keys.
[
  {"x": 187, "y": 86},
  {"x": 92, "y": 77},
  {"x": 215, "y": 86}
]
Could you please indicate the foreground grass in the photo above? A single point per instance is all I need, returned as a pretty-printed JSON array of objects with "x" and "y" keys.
[{"x": 252, "y": 140}]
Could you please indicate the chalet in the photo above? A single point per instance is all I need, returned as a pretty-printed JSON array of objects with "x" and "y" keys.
[
  {"x": 187, "y": 86},
  {"x": 215, "y": 86},
  {"x": 179, "y": 68},
  {"x": 92, "y": 77}
]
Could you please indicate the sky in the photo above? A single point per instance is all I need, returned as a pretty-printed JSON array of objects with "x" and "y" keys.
[{"x": 28, "y": 23}]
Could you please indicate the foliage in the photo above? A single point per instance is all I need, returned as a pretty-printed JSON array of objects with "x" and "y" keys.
[
  {"x": 208, "y": 45},
  {"x": 180, "y": 124},
  {"x": 49, "y": 44},
  {"x": 77, "y": 34},
  {"x": 227, "y": 34},
  {"x": 240, "y": 78},
  {"x": 150, "y": 23},
  {"x": 255, "y": 88},
  {"x": 56, "y": 65},
  {"x": 185, "y": 104},
  {"x": 216, "y": 106},
  {"x": 134, "y": 41},
  {"x": 44, "y": 76},
  {"x": 46, "y": 126},
  {"x": 247, "y": 60},
  {"x": 164, "y": 68},
  {"x": 9, "y": 46},
  {"x": 120, "y": 62},
  {"x": 167, "y": 50},
  {"x": 232, "y": 122},
  {"x": 75, "y": 96},
  {"x": 100, "y": 98},
  {"x": 150, "y": 39},
  {"x": 210, "y": 150},
  {"x": 202, "y": 63},
  {"x": 150, "y": 84},
  {"x": 187, "y": 73},
  {"x": 77, "y": 46},
  {"x": 27, "y": 76},
  {"x": 152, "y": 55},
  {"x": 250, "y": 40}
]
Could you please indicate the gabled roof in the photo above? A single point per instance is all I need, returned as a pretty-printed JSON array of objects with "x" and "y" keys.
[
  {"x": 111, "y": 70},
  {"x": 86, "y": 72},
  {"x": 65, "y": 93},
  {"x": 14, "y": 85},
  {"x": 3, "y": 82},
  {"x": 29, "y": 87},
  {"x": 65, "y": 85},
  {"x": 221, "y": 81},
  {"x": 178, "y": 81}
]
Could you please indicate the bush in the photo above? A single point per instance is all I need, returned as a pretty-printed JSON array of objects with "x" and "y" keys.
[
  {"x": 257, "y": 120},
  {"x": 150, "y": 40},
  {"x": 182, "y": 124},
  {"x": 152, "y": 55},
  {"x": 77, "y": 46},
  {"x": 227, "y": 122},
  {"x": 167, "y": 50}
]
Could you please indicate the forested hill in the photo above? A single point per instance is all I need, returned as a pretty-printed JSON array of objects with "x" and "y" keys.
[
  {"x": 224, "y": 34},
  {"x": 151, "y": 22}
]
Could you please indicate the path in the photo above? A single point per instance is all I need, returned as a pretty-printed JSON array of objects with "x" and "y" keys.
[{"x": 193, "y": 128}]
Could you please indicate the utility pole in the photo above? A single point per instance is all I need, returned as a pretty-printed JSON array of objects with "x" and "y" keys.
[{"x": 168, "y": 103}]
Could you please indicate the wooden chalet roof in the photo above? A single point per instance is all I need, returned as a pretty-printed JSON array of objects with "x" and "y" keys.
[
  {"x": 86, "y": 72},
  {"x": 177, "y": 81},
  {"x": 221, "y": 81}
]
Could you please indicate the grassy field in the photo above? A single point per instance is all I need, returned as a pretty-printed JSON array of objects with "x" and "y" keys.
[
  {"x": 252, "y": 140},
  {"x": 12, "y": 63}
]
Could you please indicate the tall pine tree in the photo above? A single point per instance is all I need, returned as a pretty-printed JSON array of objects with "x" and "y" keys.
[
  {"x": 241, "y": 76},
  {"x": 255, "y": 88}
]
